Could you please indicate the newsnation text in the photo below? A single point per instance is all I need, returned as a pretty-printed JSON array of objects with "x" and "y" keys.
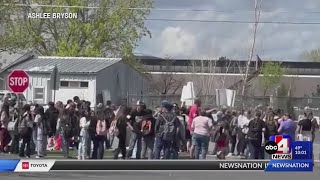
[{"x": 141, "y": 165}]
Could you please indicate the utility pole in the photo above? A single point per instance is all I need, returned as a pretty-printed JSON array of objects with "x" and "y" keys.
[{"x": 257, "y": 12}]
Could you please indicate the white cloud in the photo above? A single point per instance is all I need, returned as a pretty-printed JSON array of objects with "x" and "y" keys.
[
  {"x": 176, "y": 41},
  {"x": 194, "y": 39}
]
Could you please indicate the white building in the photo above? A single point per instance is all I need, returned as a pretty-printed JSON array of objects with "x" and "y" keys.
[{"x": 92, "y": 79}]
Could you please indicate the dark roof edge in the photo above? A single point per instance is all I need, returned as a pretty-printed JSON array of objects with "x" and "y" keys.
[{"x": 26, "y": 57}]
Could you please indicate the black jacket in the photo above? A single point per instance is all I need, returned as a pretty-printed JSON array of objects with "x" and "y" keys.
[
  {"x": 255, "y": 129},
  {"x": 135, "y": 119}
]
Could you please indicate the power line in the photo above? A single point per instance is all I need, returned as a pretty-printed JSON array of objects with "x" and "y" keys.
[
  {"x": 156, "y": 9},
  {"x": 179, "y": 20},
  {"x": 234, "y": 21}
]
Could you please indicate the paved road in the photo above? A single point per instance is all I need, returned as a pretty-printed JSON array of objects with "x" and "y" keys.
[{"x": 165, "y": 176}]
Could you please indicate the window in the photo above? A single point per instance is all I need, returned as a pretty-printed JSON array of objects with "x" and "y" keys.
[
  {"x": 64, "y": 83},
  {"x": 38, "y": 95},
  {"x": 84, "y": 84},
  {"x": 74, "y": 84}
]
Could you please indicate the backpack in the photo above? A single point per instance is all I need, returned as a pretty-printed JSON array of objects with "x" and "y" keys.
[
  {"x": 113, "y": 130},
  {"x": 272, "y": 127},
  {"x": 66, "y": 127},
  {"x": 23, "y": 125},
  {"x": 146, "y": 126},
  {"x": 169, "y": 129},
  {"x": 13, "y": 125},
  {"x": 101, "y": 128}
]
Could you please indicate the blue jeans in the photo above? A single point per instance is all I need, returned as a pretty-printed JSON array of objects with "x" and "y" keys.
[
  {"x": 147, "y": 147},
  {"x": 255, "y": 149},
  {"x": 201, "y": 145},
  {"x": 162, "y": 144},
  {"x": 135, "y": 138},
  {"x": 65, "y": 146},
  {"x": 98, "y": 147}
]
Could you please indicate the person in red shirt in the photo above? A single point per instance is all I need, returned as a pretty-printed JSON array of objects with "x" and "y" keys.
[{"x": 193, "y": 112}]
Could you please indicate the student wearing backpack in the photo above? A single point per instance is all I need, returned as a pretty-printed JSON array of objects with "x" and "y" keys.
[
  {"x": 118, "y": 128},
  {"x": 147, "y": 131},
  {"x": 64, "y": 128},
  {"x": 25, "y": 131},
  {"x": 166, "y": 128},
  {"x": 99, "y": 139},
  {"x": 42, "y": 126}
]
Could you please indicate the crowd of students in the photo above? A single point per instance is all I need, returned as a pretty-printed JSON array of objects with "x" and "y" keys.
[{"x": 161, "y": 133}]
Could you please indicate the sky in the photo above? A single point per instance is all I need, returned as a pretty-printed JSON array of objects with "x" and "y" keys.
[{"x": 198, "y": 40}]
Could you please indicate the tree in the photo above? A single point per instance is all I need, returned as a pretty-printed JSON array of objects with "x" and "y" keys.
[
  {"x": 313, "y": 55},
  {"x": 111, "y": 30},
  {"x": 168, "y": 83},
  {"x": 272, "y": 73}
]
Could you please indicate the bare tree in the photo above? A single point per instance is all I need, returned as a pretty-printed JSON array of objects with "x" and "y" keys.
[
  {"x": 257, "y": 11},
  {"x": 167, "y": 83},
  {"x": 203, "y": 75}
]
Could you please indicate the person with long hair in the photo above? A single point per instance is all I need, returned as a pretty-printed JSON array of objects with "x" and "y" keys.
[
  {"x": 58, "y": 139},
  {"x": 121, "y": 123},
  {"x": 65, "y": 132},
  {"x": 84, "y": 134},
  {"x": 42, "y": 131},
  {"x": 101, "y": 133},
  {"x": 25, "y": 131}
]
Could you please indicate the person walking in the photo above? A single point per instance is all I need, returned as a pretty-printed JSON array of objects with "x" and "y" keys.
[
  {"x": 287, "y": 126},
  {"x": 306, "y": 127},
  {"x": 25, "y": 131},
  {"x": 166, "y": 129},
  {"x": 64, "y": 129},
  {"x": 119, "y": 128},
  {"x": 42, "y": 126},
  {"x": 148, "y": 136},
  {"x": 200, "y": 128},
  {"x": 99, "y": 139},
  {"x": 256, "y": 128},
  {"x": 4, "y": 121},
  {"x": 243, "y": 123},
  {"x": 84, "y": 134},
  {"x": 233, "y": 132},
  {"x": 193, "y": 113},
  {"x": 135, "y": 119}
]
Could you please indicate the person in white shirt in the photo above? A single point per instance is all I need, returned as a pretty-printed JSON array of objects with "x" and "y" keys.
[
  {"x": 41, "y": 132},
  {"x": 84, "y": 135},
  {"x": 243, "y": 122}
]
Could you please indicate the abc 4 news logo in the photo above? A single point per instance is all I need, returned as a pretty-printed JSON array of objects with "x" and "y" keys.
[{"x": 280, "y": 150}]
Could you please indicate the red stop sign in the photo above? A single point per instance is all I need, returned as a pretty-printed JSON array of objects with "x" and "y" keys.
[{"x": 18, "y": 81}]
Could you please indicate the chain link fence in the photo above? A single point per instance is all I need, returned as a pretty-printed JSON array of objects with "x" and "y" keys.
[{"x": 293, "y": 105}]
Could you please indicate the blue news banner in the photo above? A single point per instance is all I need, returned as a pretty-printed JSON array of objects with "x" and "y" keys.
[{"x": 301, "y": 156}]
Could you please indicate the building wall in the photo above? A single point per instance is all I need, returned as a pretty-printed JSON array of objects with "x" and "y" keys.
[
  {"x": 42, "y": 81},
  {"x": 119, "y": 80}
]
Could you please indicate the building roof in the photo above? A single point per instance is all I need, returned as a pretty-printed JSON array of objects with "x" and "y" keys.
[{"x": 66, "y": 65}]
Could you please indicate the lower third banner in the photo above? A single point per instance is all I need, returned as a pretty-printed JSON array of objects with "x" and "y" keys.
[{"x": 47, "y": 165}]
